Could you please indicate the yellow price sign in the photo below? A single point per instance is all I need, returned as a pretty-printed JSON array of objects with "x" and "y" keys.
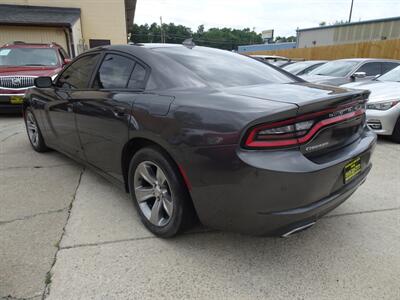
[
  {"x": 16, "y": 99},
  {"x": 352, "y": 169}
]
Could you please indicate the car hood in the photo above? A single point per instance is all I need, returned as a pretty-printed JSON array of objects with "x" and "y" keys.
[
  {"x": 29, "y": 71},
  {"x": 307, "y": 96},
  {"x": 380, "y": 90}
]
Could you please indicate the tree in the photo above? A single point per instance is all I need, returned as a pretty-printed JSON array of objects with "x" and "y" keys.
[
  {"x": 223, "y": 38},
  {"x": 282, "y": 39}
]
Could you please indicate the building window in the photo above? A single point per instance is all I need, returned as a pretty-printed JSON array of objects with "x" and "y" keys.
[{"x": 97, "y": 43}]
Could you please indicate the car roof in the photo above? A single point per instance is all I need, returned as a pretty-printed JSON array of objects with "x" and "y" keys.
[
  {"x": 367, "y": 59},
  {"x": 269, "y": 56},
  {"x": 30, "y": 45},
  {"x": 309, "y": 61}
]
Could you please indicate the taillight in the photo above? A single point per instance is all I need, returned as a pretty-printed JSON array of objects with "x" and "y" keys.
[{"x": 301, "y": 129}]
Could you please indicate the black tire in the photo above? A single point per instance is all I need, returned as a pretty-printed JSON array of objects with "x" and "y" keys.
[
  {"x": 182, "y": 216},
  {"x": 38, "y": 144},
  {"x": 396, "y": 132}
]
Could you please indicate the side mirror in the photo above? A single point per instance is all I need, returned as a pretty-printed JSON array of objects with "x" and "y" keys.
[
  {"x": 360, "y": 75},
  {"x": 67, "y": 61},
  {"x": 43, "y": 82}
]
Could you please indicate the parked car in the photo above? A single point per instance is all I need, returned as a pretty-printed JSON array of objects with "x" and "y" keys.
[
  {"x": 20, "y": 64},
  {"x": 383, "y": 107},
  {"x": 342, "y": 71},
  {"x": 279, "y": 61},
  {"x": 191, "y": 130},
  {"x": 303, "y": 67},
  {"x": 272, "y": 59}
]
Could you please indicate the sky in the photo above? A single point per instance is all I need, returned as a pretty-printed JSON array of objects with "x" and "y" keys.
[{"x": 284, "y": 16}]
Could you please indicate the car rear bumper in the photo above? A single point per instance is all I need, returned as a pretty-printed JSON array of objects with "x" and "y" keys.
[
  {"x": 281, "y": 222},
  {"x": 273, "y": 192},
  {"x": 6, "y": 105},
  {"x": 383, "y": 121}
]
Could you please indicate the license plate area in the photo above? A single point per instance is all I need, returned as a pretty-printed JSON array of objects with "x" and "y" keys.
[
  {"x": 352, "y": 169},
  {"x": 16, "y": 99}
]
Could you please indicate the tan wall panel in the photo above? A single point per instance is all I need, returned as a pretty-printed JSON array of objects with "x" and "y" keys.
[
  {"x": 32, "y": 35},
  {"x": 101, "y": 19},
  {"x": 373, "y": 49}
]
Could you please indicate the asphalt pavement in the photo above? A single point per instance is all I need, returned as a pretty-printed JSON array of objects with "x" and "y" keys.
[{"x": 66, "y": 233}]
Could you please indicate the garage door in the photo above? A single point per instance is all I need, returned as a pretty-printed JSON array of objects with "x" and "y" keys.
[{"x": 32, "y": 35}]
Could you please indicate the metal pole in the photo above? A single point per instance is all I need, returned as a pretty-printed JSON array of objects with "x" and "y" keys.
[
  {"x": 161, "y": 29},
  {"x": 351, "y": 10}
]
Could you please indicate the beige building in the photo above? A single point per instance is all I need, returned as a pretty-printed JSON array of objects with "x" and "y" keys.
[{"x": 77, "y": 25}]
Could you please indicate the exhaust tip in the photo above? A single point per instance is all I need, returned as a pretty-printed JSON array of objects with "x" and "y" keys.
[{"x": 297, "y": 229}]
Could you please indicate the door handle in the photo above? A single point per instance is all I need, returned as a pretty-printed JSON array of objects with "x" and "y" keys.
[{"x": 118, "y": 112}]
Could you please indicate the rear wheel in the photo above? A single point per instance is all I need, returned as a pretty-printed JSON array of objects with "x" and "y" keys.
[
  {"x": 396, "y": 132},
  {"x": 159, "y": 193},
  {"x": 34, "y": 134}
]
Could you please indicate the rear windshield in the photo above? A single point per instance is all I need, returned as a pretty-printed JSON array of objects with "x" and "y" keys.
[
  {"x": 298, "y": 67},
  {"x": 28, "y": 57},
  {"x": 335, "y": 68},
  {"x": 219, "y": 68}
]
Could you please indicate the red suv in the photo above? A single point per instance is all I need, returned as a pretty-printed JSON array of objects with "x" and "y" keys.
[{"x": 20, "y": 64}]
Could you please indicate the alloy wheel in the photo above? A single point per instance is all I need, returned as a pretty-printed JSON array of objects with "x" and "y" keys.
[
  {"x": 153, "y": 193},
  {"x": 32, "y": 128}
]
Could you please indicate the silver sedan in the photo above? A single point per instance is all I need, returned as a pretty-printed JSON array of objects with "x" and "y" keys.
[
  {"x": 383, "y": 107},
  {"x": 342, "y": 71}
]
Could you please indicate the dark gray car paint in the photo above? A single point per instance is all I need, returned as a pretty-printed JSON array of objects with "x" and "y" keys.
[{"x": 201, "y": 129}]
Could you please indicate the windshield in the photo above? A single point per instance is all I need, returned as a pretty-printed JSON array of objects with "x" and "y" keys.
[
  {"x": 298, "y": 67},
  {"x": 28, "y": 57},
  {"x": 219, "y": 68},
  {"x": 393, "y": 75},
  {"x": 336, "y": 68}
]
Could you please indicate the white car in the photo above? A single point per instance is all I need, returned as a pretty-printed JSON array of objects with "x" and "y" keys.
[{"x": 383, "y": 106}]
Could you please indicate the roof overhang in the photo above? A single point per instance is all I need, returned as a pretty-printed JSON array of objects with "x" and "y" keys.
[
  {"x": 38, "y": 15},
  {"x": 350, "y": 24}
]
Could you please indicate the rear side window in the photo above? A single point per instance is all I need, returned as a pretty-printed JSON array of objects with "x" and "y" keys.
[
  {"x": 78, "y": 74},
  {"x": 371, "y": 69},
  {"x": 137, "y": 79},
  {"x": 114, "y": 72},
  {"x": 387, "y": 66}
]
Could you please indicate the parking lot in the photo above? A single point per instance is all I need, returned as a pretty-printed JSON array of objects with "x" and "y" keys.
[{"x": 68, "y": 234}]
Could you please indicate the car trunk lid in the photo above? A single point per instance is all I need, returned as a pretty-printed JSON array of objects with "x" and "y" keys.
[{"x": 338, "y": 114}]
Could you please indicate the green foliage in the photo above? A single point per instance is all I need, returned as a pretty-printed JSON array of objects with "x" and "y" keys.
[
  {"x": 282, "y": 39},
  {"x": 223, "y": 38},
  {"x": 337, "y": 22}
]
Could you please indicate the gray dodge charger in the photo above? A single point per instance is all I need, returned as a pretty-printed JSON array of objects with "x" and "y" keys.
[{"x": 198, "y": 133}]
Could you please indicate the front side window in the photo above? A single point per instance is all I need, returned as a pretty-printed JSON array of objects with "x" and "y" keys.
[
  {"x": 78, "y": 74},
  {"x": 393, "y": 75},
  {"x": 371, "y": 69},
  {"x": 28, "y": 57},
  {"x": 387, "y": 66},
  {"x": 114, "y": 72}
]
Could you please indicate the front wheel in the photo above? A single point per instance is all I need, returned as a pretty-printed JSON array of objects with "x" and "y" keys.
[
  {"x": 34, "y": 134},
  {"x": 159, "y": 193},
  {"x": 396, "y": 132}
]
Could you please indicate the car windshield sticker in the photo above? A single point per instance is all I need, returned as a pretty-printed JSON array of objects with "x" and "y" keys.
[{"x": 4, "y": 52}]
